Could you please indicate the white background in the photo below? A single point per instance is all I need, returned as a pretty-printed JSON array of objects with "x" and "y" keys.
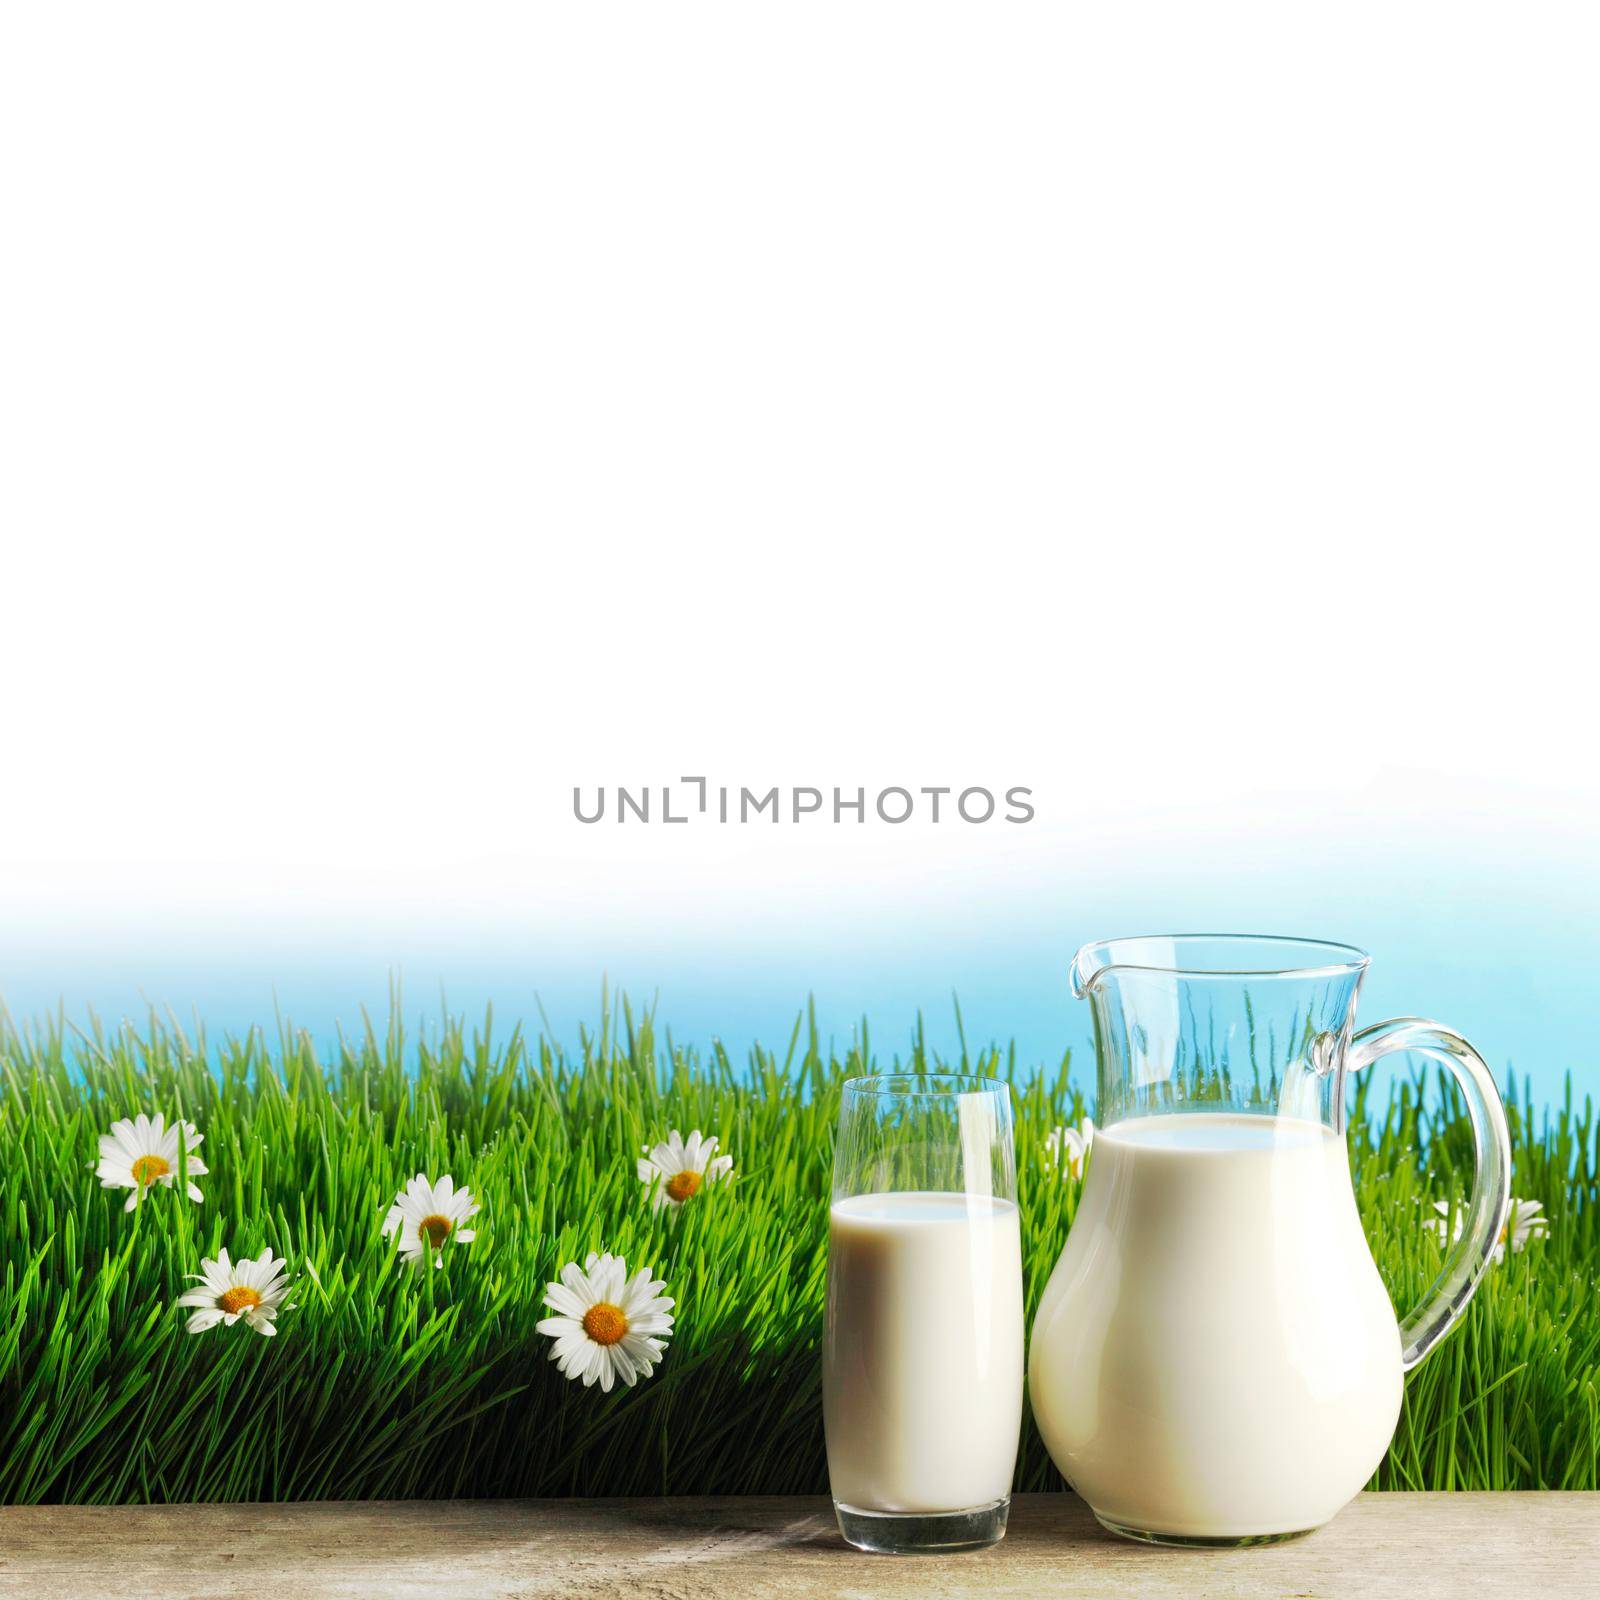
[{"x": 410, "y": 412}]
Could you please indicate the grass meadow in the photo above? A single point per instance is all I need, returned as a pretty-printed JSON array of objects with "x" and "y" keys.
[{"x": 388, "y": 1381}]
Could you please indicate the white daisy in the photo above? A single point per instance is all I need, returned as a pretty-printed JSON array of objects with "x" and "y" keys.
[
  {"x": 428, "y": 1216},
  {"x": 675, "y": 1170},
  {"x": 1068, "y": 1148},
  {"x": 138, "y": 1154},
  {"x": 1523, "y": 1223},
  {"x": 607, "y": 1325},
  {"x": 253, "y": 1290}
]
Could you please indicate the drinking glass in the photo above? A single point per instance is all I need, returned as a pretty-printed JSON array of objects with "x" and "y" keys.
[{"x": 922, "y": 1352}]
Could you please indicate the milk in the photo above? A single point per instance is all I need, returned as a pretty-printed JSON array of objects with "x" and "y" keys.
[
  {"x": 1215, "y": 1355},
  {"x": 922, "y": 1354}
]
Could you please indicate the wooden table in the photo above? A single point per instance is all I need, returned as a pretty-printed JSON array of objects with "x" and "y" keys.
[{"x": 1403, "y": 1545}]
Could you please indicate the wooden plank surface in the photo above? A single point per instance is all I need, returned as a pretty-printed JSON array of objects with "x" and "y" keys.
[{"x": 1409, "y": 1546}]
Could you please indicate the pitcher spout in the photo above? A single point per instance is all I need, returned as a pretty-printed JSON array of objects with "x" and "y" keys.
[{"x": 1090, "y": 961}]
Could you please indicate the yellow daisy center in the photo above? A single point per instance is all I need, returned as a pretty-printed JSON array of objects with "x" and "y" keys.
[
  {"x": 605, "y": 1323},
  {"x": 683, "y": 1184},
  {"x": 239, "y": 1298},
  {"x": 435, "y": 1229},
  {"x": 148, "y": 1168}
]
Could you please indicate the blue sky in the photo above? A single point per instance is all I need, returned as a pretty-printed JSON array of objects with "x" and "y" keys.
[{"x": 1498, "y": 944}]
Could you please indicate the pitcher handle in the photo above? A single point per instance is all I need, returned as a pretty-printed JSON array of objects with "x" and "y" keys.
[{"x": 1467, "y": 1257}]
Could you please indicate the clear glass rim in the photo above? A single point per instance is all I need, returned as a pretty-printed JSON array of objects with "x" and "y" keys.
[
  {"x": 1101, "y": 956},
  {"x": 924, "y": 1085}
]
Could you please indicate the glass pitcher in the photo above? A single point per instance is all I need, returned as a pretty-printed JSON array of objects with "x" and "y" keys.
[{"x": 1215, "y": 1360}]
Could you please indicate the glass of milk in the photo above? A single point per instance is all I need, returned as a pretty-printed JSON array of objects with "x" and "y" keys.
[{"x": 922, "y": 1354}]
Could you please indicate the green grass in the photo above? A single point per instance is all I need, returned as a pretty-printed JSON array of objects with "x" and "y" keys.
[{"x": 385, "y": 1381}]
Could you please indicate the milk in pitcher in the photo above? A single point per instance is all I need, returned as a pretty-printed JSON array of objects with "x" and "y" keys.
[{"x": 1215, "y": 1355}]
